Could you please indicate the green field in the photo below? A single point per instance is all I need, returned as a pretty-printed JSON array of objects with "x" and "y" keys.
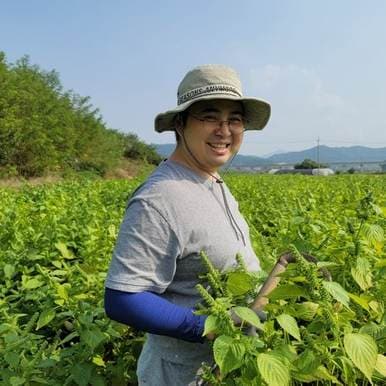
[{"x": 56, "y": 243}]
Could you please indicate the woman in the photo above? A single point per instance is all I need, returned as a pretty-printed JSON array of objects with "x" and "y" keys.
[{"x": 182, "y": 209}]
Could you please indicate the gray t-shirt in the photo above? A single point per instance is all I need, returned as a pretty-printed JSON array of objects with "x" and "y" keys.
[{"x": 170, "y": 219}]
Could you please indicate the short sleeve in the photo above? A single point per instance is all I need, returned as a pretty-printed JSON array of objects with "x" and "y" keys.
[{"x": 144, "y": 258}]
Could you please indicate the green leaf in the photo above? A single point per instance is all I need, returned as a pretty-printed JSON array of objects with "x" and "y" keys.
[
  {"x": 61, "y": 290},
  {"x": 248, "y": 315},
  {"x": 306, "y": 310},
  {"x": 288, "y": 323},
  {"x": 307, "y": 362},
  {"x": 98, "y": 380},
  {"x": 373, "y": 233},
  {"x": 57, "y": 263},
  {"x": 375, "y": 330},
  {"x": 361, "y": 273},
  {"x": 9, "y": 270},
  {"x": 348, "y": 369},
  {"x": 16, "y": 381},
  {"x": 286, "y": 291},
  {"x": 92, "y": 337},
  {"x": 381, "y": 263},
  {"x": 46, "y": 363},
  {"x": 337, "y": 292},
  {"x": 362, "y": 350},
  {"x": 361, "y": 300},
  {"x": 287, "y": 351},
  {"x": 326, "y": 264},
  {"x": 98, "y": 360},
  {"x": 322, "y": 373},
  {"x": 380, "y": 366},
  {"x": 32, "y": 283},
  {"x": 297, "y": 220},
  {"x": 304, "y": 378},
  {"x": 69, "y": 337},
  {"x": 228, "y": 354},
  {"x": 239, "y": 283},
  {"x": 45, "y": 317},
  {"x": 62, "y": 248},
  {"x": 12, "y": 358},
  {"x": 39, "y": 380},
  {"x": 377, "y": 307},
  {"x": 211, "y": 324},
  {"x": 81, "y": 373},
  {"x": 273, "y": 371}
]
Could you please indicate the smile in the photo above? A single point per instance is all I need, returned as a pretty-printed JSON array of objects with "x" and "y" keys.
[{"x": 219, "y": 145}]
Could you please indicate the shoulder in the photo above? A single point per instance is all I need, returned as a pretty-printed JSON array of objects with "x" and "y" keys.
[{"x": 168, "y": 182}]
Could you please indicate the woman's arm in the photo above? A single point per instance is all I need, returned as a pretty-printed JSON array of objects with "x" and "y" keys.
[{"x": 149, "y": 312}]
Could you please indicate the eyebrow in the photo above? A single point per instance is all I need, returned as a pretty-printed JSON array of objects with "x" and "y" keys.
[{"x": 214, "y": 110}]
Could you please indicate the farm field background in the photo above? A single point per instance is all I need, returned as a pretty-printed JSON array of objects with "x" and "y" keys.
[{"x": 56, "y": 244}]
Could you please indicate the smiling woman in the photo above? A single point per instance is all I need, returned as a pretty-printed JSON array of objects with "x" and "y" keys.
[
  {"x": 183, "y": 208},
  {"x": 211, "y": 136}
]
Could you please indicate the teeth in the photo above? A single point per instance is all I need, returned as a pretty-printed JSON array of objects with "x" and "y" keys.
[{"x": 219, "y": 145}]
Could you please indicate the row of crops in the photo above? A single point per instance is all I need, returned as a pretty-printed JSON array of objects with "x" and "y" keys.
[{"x": 55, "y": 247}]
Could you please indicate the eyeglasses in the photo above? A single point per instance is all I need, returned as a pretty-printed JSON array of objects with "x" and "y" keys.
[{"x": 235, "y": 124}]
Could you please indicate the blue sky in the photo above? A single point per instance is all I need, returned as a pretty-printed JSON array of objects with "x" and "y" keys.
[{"x": 321, "y": 64}]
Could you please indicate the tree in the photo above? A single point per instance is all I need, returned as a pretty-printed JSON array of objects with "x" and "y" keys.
[
  {"x": 136, "y": 149},
  {"x": 309, "y": 164},
  {"x": 44, "y": 128}
]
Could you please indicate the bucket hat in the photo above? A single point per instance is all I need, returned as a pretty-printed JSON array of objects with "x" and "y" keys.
[{"x": 214, "y": 81}]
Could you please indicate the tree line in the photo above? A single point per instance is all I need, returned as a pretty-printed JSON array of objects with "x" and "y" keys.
[{"x": 44, "y": 128}]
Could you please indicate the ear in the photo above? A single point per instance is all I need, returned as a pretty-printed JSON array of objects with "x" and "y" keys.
[{"x": 178, "y": 124}]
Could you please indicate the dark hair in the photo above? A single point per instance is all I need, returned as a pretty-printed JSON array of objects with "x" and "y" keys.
[{"x": 180, "y": 119}]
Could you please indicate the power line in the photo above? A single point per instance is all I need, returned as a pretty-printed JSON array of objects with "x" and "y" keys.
[{"x": 324, "y": 142}]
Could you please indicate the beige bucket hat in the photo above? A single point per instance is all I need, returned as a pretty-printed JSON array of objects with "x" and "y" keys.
[{"x": 214, "y": 81}]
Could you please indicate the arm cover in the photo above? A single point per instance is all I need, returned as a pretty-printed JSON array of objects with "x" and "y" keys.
[{"x": 148, "y": 312}]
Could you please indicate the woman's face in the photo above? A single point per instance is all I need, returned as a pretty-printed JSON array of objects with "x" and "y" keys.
[{"x": 212, "y": 144}]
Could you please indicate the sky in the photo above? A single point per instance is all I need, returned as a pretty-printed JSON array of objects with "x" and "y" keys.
[{"x": 321, "y": 64}]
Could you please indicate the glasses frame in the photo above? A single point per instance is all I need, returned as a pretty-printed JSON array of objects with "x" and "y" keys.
[{"x": 220, "y": 123}]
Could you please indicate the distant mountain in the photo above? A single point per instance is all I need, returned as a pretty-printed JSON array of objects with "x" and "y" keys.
[
  {"x": 164, "y": 150},
  {"x": 280, "y": 151},
  {"x": 333, "y": 154},
  {"x": 326, "y": 155},
  {"x": 248, "y": 161}
]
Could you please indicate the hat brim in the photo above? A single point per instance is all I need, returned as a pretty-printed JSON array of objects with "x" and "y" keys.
[{"x": 257, "y": 112}]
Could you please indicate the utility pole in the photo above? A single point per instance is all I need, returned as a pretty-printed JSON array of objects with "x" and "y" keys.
[{"x": 317, "y": 154}]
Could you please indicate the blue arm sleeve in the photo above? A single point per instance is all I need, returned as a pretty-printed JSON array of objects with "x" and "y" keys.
[{"x": 149, "y": 312}]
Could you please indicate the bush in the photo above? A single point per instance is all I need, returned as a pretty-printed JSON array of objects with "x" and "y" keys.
[
  {"x": 136, "y": 149},
  {"x": 309, "y": 164}
]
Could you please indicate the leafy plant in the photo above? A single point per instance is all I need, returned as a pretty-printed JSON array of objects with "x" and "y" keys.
[
  {"x": 56, "y": 243},
  {"x": 317, "y": 331}
]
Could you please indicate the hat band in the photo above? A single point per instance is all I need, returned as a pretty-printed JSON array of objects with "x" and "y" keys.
[{"x": 207, "y": 90}]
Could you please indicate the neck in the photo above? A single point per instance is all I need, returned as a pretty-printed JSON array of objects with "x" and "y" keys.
[{"x": 181, "y": 156}]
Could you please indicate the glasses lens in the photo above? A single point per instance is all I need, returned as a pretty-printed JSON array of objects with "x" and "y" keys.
[{"x": 236, "y": 125}]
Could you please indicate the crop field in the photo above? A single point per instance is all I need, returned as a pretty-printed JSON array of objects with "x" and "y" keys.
[{"x": 56, "y": 243}]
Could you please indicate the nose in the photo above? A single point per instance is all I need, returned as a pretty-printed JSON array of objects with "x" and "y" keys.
[{"x": 223, "y": 128}]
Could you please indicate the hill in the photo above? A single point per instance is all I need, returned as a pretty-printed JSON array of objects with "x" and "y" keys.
[
  {"x": 326, "y": 155},
  {"x": 333, "y": 154},
  {"x": 164, "y": 150},
  {"x": 45, "y": 129}
]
